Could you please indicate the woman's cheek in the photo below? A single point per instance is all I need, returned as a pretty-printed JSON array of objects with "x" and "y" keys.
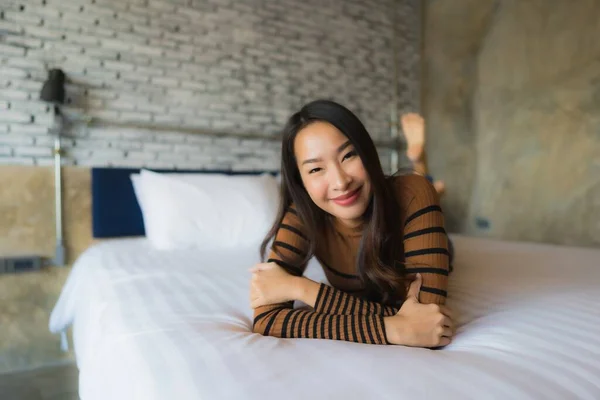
[
  {"x": 321, "y": 189},
  {"x": 317, "y": 189}
]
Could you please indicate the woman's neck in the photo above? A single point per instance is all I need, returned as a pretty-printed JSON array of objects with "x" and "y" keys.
[
  {"x": 350, "y": 223},
  {"x": 348, "y": 226}
]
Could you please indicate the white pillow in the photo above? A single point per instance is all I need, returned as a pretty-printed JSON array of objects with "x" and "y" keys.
[{"x": 206, "y": 211}]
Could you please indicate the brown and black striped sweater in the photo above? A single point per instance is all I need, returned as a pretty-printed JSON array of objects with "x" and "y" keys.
[{"x": 340, "y": 313}]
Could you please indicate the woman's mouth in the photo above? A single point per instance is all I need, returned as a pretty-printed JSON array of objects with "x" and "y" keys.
[{"x": 348, "y": 199}]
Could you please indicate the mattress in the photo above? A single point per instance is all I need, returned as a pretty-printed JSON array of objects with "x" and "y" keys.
[{"x": 176, "y": 325}]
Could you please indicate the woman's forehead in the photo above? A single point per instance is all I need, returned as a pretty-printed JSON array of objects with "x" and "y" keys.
[{"x": 321, "y": 137}]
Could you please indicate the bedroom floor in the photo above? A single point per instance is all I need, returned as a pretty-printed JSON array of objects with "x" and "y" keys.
[{"x": 49, "y": 383}]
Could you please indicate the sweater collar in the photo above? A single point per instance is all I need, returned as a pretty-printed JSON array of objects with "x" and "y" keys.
[{"x": 346, "y": 230}]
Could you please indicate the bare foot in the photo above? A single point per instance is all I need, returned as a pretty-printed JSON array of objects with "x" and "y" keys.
[
  {"x": 413, "y": 126},
  {"x": 440, "y": 187}
]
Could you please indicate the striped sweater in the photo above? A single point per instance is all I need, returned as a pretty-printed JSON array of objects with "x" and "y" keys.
[{"x": 340, "y": 313}]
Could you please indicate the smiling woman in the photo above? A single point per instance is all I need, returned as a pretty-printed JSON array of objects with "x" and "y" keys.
[
  {"x": 381, "y": 241},
  {"x": 332, "y": 172}
]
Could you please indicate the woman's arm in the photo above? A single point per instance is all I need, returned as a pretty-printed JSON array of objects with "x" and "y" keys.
[
  {"x": 329, "y": 300},
  {"x": 426, "y": 241},
  {"x": 415, "y": 324},
  {"x": 288, "y": 250},
  {"x": 362, "y": 322},
  {"x": 281, "y": 320}
]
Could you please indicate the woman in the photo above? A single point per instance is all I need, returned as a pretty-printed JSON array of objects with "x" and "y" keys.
[{"x": 371, "y": 234}]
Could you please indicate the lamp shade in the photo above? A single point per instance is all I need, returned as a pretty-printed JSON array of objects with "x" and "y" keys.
[{"x": 53, "y": 90}]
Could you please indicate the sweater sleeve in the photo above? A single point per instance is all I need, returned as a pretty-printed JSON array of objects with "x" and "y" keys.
[
  {"x": 337, "y": 302},
  {"x": 288, "y": 250},
  {"x": 282, "y": 320},
  {"x": 426, "y": 242},
  {"x": 290, "y": 245}
]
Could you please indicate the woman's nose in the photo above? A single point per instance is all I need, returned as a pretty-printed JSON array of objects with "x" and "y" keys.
[{"x": 341, "y": 179}]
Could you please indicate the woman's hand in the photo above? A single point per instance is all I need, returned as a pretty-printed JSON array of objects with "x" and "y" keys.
[
  {"x": 271, "y": 284},
  {"x": 419, "y": 325}
]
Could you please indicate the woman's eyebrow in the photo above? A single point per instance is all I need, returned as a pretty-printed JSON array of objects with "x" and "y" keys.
[
  {"x": 311, "y": 160},
  {"x": 339, "y": 150},
  {"x": 343, "y": 146}
]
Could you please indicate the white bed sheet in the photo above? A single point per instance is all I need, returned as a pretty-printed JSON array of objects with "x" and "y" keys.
[{"x": 176, "y": 325}]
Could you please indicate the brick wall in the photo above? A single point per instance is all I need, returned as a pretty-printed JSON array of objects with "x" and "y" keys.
[{"x": 234, "y": 66}]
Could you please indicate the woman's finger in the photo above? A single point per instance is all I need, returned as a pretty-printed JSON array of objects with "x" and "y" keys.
[
  {"x": 447, "y": 332},
  {"x": 254, "y": 292},
  {"x": 260, "y": 267},
  {"x": 415, "y": 287},
  {"x": 448, "y": 322},
  {"x": 446, "y": 311},
  {"x": 255, "y": 302},
  {"x": 257, "y": 268}
]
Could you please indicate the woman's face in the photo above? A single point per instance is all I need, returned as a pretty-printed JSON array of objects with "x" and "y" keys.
[{"x": 332, "y": 172}]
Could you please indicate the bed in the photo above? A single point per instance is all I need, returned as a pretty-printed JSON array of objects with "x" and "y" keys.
[{"x": 175, "y": 324}]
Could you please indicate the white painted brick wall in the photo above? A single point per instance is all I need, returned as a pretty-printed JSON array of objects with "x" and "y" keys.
[{"x": 231, "y": 66}]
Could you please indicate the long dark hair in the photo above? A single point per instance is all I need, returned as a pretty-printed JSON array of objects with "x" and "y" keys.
[{"x": 381, "y": 243}]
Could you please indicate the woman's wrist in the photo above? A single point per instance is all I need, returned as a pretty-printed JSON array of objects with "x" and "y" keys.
[
  {"x": 298, "y": 287},
  {"x": 390, "y": 330},
  {"x": 305, "y": 290},
  {"x": 395, "y": 329}
]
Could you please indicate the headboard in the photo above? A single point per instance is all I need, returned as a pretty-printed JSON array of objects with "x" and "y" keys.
[{"x": 115, "y": 210}]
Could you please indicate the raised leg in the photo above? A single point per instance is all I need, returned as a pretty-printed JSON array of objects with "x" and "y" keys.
[{"x": 413, "y": 126}]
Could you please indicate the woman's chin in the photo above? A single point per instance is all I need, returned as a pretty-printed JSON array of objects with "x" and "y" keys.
[{"x": 354, "y": 212}]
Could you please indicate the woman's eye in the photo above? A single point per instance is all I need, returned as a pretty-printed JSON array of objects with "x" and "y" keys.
[
  {"x": 314, "y": 170},
  {"x": 349, "y": 154}
]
